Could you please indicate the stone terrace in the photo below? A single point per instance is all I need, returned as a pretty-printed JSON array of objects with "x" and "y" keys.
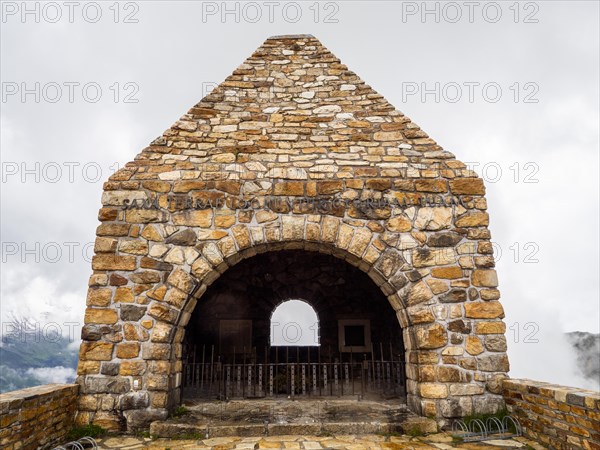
[{"x": 441, "y": 441}]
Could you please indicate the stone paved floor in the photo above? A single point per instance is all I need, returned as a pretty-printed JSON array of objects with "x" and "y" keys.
[{"x": 439, "y": 441}]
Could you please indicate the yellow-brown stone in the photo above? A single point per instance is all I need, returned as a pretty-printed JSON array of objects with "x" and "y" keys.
[
  {"x": 425, "y": 257},
  {"x": 473, "y": 345},
  {"x": 143, "y": 216},
  {"x": 467, "y": 186},
  {"x": 378, "y": 184},
  {"x": 495, "y": 327},
  {"x": 489, "y": 294},
  {"x": 134, "y": 247},
  {"x": 102, "y": 316},
  {"x": 151, "y": 233},
  {"x": 329, "y": 187},
  {"x": 486, "y": 278},
  {"x": 437, "y": 286},
  {"x": 96, "y": 351},
  {"x": 399, "y": 224},
  {"x": 419, "y": 293},
  {"x": 99, "y": 297},
  {"x": 132, "y": 368},
  {"x": 431, "y": 336},
  {"x": 128, "y": 350},
  {"x": 113, "y": 262},
  {"x": 431, "y": 185},
  {"x": 388, "y": 136},
  {"x": 484, "y": 310},
  {"x": 184, "y": 186},
  {"x": 197, "y": 218},
  {"x": 124, "y": 295},
  {"x": 433, "y": 390},
  {"x": 157, "y": 186},
  {"x": 473, "y": 219},
  {"x": 448, "y": 273},
  {"x": 292, "y": 188},
  {"x": 88, "y": 367}
]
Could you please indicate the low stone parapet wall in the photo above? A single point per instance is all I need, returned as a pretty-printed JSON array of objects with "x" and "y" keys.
[
  {"x": 37, "y": 417},
  {"x": 556, "y": 416}
]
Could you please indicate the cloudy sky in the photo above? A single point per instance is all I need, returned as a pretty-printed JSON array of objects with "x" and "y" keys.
[{"x": 511, "y": 88}]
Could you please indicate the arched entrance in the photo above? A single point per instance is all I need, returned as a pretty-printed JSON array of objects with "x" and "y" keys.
[{"x": 354, "y": 348}]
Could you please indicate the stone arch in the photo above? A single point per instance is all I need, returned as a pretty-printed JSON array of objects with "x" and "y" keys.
[{"x": 192, "y": 287}]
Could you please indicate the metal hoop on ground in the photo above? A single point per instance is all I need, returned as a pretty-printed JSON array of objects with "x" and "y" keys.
[
  {"x": 83, "y": 443},
  {"x": 493, "y": 428}
]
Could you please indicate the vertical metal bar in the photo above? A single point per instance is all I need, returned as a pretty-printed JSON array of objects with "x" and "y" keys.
[
  {"x": 346, "y": 377},
  {"x": 243, "y": 371},
  {"x": 249, "y": 381},
  {"x": 351, "y": 369},
  {"x": 212, "y": 363},
  {"x": 336, "y": 378},
  {"x": 228, "y": 380},
  {"x": 363, "y": 373},
  {"x": 341, "y": 374},
  {"x": 303, "y": 379},
  {"x": 373, "y": 365},
  {"x": 319, "y": 357},
  {"x": 394, "y": 383},
  {"x": 293, "y": 379},
  {"x": 202, "y": 375},
  {"x": 382, "y": 365}
]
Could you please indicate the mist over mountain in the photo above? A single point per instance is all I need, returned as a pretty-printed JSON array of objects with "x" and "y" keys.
[
  {"x": 31, "y": 358},
  {"x": 587, "y": 348}
]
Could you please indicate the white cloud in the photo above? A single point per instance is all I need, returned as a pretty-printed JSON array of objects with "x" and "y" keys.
[{"x": 58, "y": 374}]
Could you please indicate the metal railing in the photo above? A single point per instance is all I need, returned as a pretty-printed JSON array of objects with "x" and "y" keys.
[{"x": 251, "y": 379}]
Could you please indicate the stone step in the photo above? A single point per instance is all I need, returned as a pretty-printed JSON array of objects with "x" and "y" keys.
[
  {"x": 278, "y": 418},
  {"x": 173, "y": 429}
]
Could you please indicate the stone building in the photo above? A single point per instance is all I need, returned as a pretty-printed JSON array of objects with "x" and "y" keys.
[{"x": 293, "y": 179}]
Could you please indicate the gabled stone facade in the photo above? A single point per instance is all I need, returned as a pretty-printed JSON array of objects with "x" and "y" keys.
[{"x": 292, "y": 151}]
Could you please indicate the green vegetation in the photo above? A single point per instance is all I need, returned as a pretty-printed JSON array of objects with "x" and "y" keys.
[
  {"x": 498, "y": 415},
  {"x": 85, "y": 430},
  {"x": 180, "y": 411},
  {"x": 483, "y": 417},
  {"x": 146, "y": 434},
  {"x": 415, "y": 431}
]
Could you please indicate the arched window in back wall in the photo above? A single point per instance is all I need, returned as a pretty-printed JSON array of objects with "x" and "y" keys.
[{"x": 294, "y": 323}]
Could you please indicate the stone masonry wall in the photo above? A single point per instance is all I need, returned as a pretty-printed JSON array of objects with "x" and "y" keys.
[
  {"x": 556, "y": 416},
  {"x": 37, "y": 417},
  {"x": 292, "y": 151}
]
